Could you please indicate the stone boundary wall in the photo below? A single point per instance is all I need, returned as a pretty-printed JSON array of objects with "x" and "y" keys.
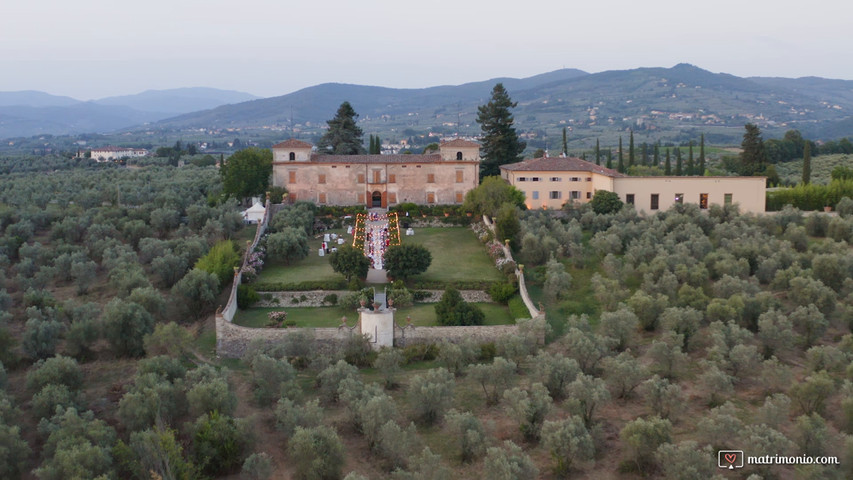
[
  {"x": 410, "y": 335},
  {"x": 314, "y": 298},
  {"x": 232, "y": 341},
  {"x": 519, "y": 273}
]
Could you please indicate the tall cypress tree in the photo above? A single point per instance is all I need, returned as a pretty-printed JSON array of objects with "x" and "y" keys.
[
  {"x": 565, "y": 144},
  {"x": 621, "y": 157},
  {"x": 631, "y": 149},
  {"x": 690, "y": 170},
  {"x": 657, "y": 155},
  {"x": 668, "y": 167},
  {"x": 500, "y": 140},
  {"x": 644, "y": 153},
  {"x": 752, "y": 157},
  {"x": 597, "y": 153},
  {"x": 609, "y": 158},
  {"x": 678, "y": 170},
  {"x": 343, "y": 137},
  {"x": 702, "y": 155},
  {"x": 807, "y": 162}
]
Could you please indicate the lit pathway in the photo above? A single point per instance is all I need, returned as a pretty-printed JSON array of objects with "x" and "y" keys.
[{"x": 375, "y": 243}]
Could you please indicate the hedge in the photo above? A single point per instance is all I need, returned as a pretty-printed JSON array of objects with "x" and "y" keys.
[
  {"x": 340, "y": 284},
  {"x": 811, "y": 196}
]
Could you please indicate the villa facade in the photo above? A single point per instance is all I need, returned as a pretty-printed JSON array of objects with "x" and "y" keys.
[{"x": 377, "y": 180}]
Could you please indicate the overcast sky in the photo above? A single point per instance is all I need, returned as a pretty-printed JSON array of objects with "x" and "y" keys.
[{"x": 96, "y": 48}]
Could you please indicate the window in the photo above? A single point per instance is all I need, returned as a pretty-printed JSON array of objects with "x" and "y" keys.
[
  {"x": 522, "y": 179},
  {"x": 361, "y": 198},
  {"x": 535, "y": 179},
  {"x": 588, "y": 179},
  {"x": 430, "y": 197},
  {"x": 556, "y": 179},
  {"x": 679, "y": 198},
  {"x": 703, "y": 201},
  {"x": 535, "y": 195},
  {"x": 291, "y": 156},
  {"x": 588, "y": 195},
  {"x": 629, "y": 198},
  {"x": 555, "y": 195},
  {"x": 392, "y": 178},
  {"x": 458, "y": 155},
  {"x": 291, "y": 177},
  {"x": 360, "y": 178},
  {"x": 321, "y": 178},
  {"x": 727, "y": 199},
  {"x": 392, "y": 197},
  {"x": 459, "y": 197},
  {"x": 460, "y": 176},
  {"x": 430, "y": 178},
  {"x": 655, "y": 201},
  {"x": 322, "y": 198},
  {"x": 575, "y": 179},
  {"x": 377, "y": 176},
  {"x": 575, "y": 195}
]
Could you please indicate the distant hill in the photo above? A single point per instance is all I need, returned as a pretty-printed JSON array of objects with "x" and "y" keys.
[
  {"x": 28, "y": 113},
  {"x": 674, "y": 104},
  {"x": 178, "y": 100}
]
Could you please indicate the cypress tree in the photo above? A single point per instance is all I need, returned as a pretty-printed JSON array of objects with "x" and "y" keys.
[
  {"x": 609, "y": 158},
  {"x": 690, "y": 160},
  {"x": 807, "y": 163},
  {"x": 621, "y": 157},
  {"x": 631, "y": 149},
  {"x": 583, "y": 156},
  {"x": 657, "y": 155},
  {"x": 500, "y": 143},
  {"x": 597, "y": 153},
  {"x": 378, "y": 145},
  {"x": 678, "y": 170},
  {"x": 565, "y": 144},
  {"x": 702, "y": 155},
  {"x": 344, "y": 137},
  {"x": 752, "y": 157},
  {"x": 644, "y": 149},
  {"x": 668, "y": 168}
]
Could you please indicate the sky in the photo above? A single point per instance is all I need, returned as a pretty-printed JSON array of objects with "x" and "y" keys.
[{"x": 89, "y": 49}]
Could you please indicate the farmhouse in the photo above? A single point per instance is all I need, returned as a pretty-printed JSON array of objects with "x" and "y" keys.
[
  {"x": 109, "y": 153},
  {"x": 550, "y": 182},
  {"x": 377, "y": 180}
]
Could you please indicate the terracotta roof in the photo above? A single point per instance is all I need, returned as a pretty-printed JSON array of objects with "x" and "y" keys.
[
  {"x": 292, "y": 143},
  {"x": 458, "y": 142},
  {"x": 560, "y": 164},
  {"x": 414, "y": 158}
]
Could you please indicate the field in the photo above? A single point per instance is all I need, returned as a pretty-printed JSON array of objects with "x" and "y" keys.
[
  {"x": 456, "y": 256},
  {"x": 822, "y": 165},
  {"x": 309, "y": 269}
]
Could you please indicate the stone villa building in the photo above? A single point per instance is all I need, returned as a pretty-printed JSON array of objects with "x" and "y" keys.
[
  {"x": 377, "y": 180},
  {"x": 550, "y": 182}
]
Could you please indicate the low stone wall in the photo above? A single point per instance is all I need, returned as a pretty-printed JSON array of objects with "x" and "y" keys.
[
  {"x": 410, "y": 335},
  {"x": 232, "y": 341},
  {"x": 315, "y": 298}
]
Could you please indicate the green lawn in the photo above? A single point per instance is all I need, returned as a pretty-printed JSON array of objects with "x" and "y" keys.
[
  {"x": 457, "y": 255},
  {"x": 423, "y": 314},
  {"x": 312, "y": 268}
]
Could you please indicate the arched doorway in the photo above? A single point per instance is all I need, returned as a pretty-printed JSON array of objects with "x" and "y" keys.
[{"x": 376, "y": 199}]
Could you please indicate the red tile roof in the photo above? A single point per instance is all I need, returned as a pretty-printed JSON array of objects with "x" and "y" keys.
[
  {"x": 292, "y": 143},
  {"x": 560, "y": 164},
  {"x": 458, "y": 142}
]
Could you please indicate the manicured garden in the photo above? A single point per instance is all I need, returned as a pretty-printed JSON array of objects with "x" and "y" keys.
[
  {"x": 457, "y": 256},
  {"x": 312, "y": 268}
]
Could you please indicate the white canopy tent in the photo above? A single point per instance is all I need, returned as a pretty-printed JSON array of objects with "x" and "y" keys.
[{"x": 254, "y": 214}]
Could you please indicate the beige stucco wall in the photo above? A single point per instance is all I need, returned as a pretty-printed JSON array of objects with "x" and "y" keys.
[
  {"x": 283, "y": 154},
  {"x": 748, "y": 192},
  {"x": 564, "y": 185},
  {"x": 410, "y": 181}
]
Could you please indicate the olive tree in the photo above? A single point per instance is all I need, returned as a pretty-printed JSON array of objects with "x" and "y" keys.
[
  {"x": 430, "y": 394},
  {"x": 569, "y": 442},
  {"x": 529, "y": 408}
]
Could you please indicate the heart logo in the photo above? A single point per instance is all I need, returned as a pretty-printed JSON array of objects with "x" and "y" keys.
[{"x": 730, "y": 457}]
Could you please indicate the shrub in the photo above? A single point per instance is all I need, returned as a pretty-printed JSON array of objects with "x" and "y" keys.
[
  {"x": 220, "y": 443},
  {"x": 604, "y": 202},
  {"x": 501, "y": 292},
  {"x": 58, "y": 370},
  {"x": 316, "y": 453},
  {"x": 405, "y": 261},
  {"x": 451, "y": 310},
  {"x": 246, "y": 296},
  {"x": 331, "y": 299}
]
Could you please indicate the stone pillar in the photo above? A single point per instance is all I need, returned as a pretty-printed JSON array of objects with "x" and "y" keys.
[{"x": 378, "y": 325}]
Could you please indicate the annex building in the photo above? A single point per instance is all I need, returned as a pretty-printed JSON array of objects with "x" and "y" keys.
[
  {"x": 550, "y": 182},
  {"x": 111, "y": 153},
  {"x": 377, "y": 180}
]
